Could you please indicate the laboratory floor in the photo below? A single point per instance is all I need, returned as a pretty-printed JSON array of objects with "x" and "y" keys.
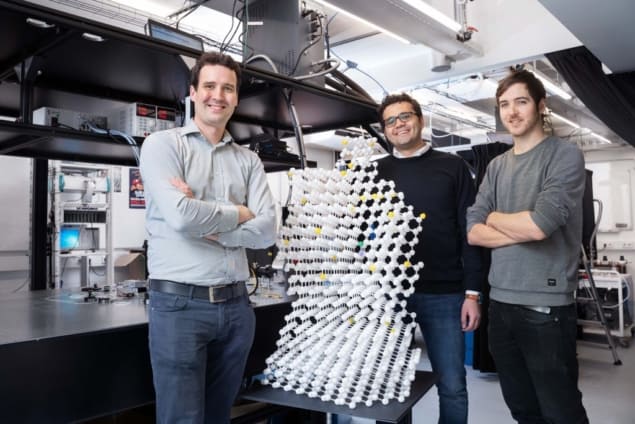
[{"x": 608, "y": 390}]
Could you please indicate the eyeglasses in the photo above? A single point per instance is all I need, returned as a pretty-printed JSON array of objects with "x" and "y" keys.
[{"x": 403, "y": 117}]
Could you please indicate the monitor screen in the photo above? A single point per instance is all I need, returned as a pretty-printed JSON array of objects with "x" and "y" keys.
[
  {"x": 167, "y": 33},
  {"x": 69, "y": 237}
]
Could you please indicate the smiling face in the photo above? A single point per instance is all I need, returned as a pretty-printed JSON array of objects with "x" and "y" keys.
[
  {"x": 404, "y": 136},
  {"x": 520, "y": 114},
  {"x": 215, "y": 97}
]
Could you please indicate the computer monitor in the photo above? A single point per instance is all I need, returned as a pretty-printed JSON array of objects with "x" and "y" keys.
[
  {"x": 69, "y": 237},
  {"x": 167, "y": 33}
]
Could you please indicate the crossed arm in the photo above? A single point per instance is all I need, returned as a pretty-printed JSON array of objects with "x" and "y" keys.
[
  {"x": 244, "y": 214},
  {"x": 504, "y": 229}
]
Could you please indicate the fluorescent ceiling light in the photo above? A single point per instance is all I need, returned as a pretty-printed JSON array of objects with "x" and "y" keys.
[
  {"x": 434, "y": 14},
  {"x": 565, "y": 120},
  {"x": 148, "y": 6},
  {"x": 576, "y": 126},
  {"x": 364, "y": 21},
  {"x": 603, "y": 139},
  {"x": 552, "y": 87},
  {"x": 39, "y": 23}
]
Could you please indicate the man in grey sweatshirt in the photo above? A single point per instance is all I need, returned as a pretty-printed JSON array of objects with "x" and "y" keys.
[{"x": 529, "y": 212}]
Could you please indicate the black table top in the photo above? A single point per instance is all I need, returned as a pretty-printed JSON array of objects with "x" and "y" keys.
[
  {"x": 393, "y": 412},
  {"x": 42, "y": 314}
]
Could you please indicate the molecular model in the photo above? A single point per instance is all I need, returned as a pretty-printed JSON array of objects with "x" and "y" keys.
[{"x": 347, "y": 244}]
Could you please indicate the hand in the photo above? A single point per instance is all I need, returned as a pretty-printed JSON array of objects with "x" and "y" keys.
[
  {"x": 470, "y": 315},
  {"x": 182, "y": 186},
  {"x": 244, "y": 214}
]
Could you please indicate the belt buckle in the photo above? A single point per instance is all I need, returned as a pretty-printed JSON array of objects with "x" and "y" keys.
[
  {"x": 212, "y": 295},
  {"x": 540, "y": 309}
]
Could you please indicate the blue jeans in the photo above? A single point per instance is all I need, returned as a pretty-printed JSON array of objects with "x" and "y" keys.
[
  {"x": 439, "y": 317},
  {"x": 198, "y": 352},
  {"x": 535, "y": 355}
]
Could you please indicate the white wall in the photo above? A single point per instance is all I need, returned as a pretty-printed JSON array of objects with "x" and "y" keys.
[
  {"x": 15, "y": 188},
  {"x": 616, "y": 243},
  {"x": 15, "y": 221},
  {"x": 128, "y": 224}
]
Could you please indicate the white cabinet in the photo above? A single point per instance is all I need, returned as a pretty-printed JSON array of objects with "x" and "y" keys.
[
  {"x": 81, "y": 205},
  {"x": 616, "y": 297}
]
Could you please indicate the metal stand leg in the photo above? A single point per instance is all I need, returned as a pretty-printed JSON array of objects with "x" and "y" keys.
[{"x": 596, "y": 300}]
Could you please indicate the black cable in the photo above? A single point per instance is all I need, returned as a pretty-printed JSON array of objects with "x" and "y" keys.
[
  {"x": 308, "y": 46},
  {"x": 68, "y": 127},
  {"x": 253, "y": 274},
  {"x": 352, "y": 84},
  {"x": 384, "y": 91},
  {"x": 339, "y": 86},
  {"x": 355, "y": 85},
  {"x": 238, "y": 12},
  {"x": 231, "y": 28},
  {"x": 92, "y": 269},
  {"x": 216, "y": 43},
  {"x": 336, "y": 78},
  {"x": 241, "y": 37},
  {"x": 327, "y": 37},
  {"x": 188, "y": 12}
]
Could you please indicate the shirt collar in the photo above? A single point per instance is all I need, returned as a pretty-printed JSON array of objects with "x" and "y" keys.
[
  {"x": 396, "y": 153},
  {"x": 191, "y": 128}
]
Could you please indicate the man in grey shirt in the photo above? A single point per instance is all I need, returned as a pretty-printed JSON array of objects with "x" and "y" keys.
[
  {"x": 207, "y": 199},
  {"x": 529, "y": 212}
]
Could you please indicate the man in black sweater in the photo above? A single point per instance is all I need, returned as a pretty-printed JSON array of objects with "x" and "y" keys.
[{"x": 440, "y": 188}]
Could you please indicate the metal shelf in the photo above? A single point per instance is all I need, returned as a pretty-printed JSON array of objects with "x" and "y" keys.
[
  {"x": 130, "y": 67},
  {"x": 63, "y": 144}
]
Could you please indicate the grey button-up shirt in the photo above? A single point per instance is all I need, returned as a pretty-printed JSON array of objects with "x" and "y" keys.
[{"x": 220, "y": 176}]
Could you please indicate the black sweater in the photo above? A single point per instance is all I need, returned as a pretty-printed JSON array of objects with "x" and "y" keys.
[{"x": 440, "y": 185}]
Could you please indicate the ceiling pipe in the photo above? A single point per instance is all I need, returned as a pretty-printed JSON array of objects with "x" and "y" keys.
[{"x": 412, "y": 25}]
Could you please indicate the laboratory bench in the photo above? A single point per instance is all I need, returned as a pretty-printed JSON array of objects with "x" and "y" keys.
[{"x": 66, "y": 360}]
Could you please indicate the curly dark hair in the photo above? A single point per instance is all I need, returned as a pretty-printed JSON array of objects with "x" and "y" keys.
[{"x": 397, "y": 98}]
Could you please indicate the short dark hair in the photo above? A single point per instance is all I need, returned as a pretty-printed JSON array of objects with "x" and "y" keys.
[
  {"x": 534, "y": 85},
  {"x": 214, "y": 58},
  {"x": 397, "y": 98}
]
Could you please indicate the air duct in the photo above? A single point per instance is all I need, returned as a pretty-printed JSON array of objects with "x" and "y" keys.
[{"x": 412, "y": 25}]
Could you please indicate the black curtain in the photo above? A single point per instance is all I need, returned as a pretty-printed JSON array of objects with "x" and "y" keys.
[
  {"x": 610, "y": 97},
  {"x": 482, "y": 359}
]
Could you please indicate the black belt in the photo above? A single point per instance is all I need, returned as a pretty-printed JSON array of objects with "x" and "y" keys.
[{"x": 213, "y": 294}]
